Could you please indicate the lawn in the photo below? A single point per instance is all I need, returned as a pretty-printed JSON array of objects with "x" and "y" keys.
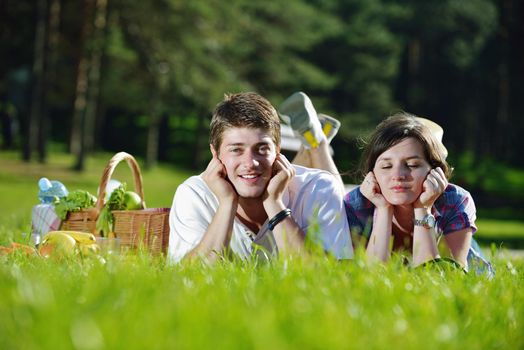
[{"x": 135, "y": 301}]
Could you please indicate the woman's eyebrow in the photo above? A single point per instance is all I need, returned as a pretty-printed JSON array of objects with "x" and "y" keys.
[{"x": 408, "y": 158}]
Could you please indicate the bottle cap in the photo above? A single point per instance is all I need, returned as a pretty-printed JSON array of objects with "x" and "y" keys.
[{"x": 44, "y": 184}]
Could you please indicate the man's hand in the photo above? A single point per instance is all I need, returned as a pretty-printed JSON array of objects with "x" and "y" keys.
[
  {"x": 283, "y": 172},
  {"x": 432, "y": 188},
  {"x": 371, "y": 190},
  {"x": 215, "y": 177}
]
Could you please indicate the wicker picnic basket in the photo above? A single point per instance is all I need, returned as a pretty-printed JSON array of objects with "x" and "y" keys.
[{"x": 148, "y": 227}]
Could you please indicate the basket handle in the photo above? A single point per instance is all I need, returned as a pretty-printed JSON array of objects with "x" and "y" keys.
[{"x": 108, "y": 172}]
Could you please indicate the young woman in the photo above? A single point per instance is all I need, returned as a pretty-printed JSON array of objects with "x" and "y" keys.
[{"x": 406, "y": 197}]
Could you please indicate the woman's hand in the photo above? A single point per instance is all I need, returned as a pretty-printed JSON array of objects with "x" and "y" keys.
[
  {"x": 434, "y": 185},
  {"x": 371, "y": 190}
]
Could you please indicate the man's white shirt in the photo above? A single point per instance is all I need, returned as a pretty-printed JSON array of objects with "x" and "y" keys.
[{"x": 312, "y": 195}]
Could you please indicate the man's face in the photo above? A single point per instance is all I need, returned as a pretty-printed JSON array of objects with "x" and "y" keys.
[{"x": 248, "y": 156}]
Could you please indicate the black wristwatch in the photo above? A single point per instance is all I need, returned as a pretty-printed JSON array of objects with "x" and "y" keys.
[{"x": 428, "y": 221}]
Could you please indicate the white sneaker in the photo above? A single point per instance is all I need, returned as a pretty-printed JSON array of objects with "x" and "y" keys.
[
  {"x": 298, "y": 111},
  {"x": 330, "y": 126}
]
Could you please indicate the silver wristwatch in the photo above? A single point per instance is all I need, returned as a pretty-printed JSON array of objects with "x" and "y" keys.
[{"x": 428, "y": 221}]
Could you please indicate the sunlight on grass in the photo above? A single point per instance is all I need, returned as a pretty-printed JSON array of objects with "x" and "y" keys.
[
  {"x": 500, "y": 228},
  {"x": 18, "y": 180},
  {"x": 137, "y": 302}
]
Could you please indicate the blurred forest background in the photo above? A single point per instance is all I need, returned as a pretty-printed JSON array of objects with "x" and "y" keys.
[{"x": 143, "y": 76}]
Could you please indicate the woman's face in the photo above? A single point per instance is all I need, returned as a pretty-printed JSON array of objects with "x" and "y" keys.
[{"x": 400, "y": 172}]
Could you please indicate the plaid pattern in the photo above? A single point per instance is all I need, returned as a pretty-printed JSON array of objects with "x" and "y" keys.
[
  {"x": 454, "y": 210},
  {"x": 44, "y": 219}
]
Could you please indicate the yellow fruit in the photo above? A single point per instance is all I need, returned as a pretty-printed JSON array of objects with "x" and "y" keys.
[
  {"x": 89, "y": 249},
  {"x": 58, "y": 244},
  {"x": 80, "y": 237}
]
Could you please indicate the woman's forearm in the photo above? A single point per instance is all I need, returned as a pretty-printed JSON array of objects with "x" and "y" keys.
[
  {"x": 424, "y": 240},
  {"x": 379, "y": 241}
]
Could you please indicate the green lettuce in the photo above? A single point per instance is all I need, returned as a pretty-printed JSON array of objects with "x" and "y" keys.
[{"x": 74, "y": 201}]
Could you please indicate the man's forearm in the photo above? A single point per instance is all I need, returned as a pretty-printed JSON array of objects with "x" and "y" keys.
[
  {"x": 288, "y": 235},
  {"x": 218, "y": 234}
]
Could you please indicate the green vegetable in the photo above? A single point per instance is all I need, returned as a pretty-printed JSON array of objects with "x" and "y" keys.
[
  {"x": 74, "y": 201},
  {"x": 105, "y": 221}
]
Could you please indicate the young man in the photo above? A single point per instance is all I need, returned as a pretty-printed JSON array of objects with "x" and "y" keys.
[{"x": 251, "y": 199}]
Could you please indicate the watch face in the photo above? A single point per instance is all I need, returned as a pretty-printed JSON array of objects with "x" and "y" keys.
[{"x": 430, "y": 221}]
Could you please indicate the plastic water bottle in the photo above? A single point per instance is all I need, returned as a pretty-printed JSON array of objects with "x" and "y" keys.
[{"x": 50, "y": 190}]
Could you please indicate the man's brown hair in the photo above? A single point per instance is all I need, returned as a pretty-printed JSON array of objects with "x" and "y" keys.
[{"x": 244, "y": 110}]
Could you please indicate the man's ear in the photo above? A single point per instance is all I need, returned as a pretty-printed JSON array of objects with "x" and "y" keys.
[{"x": 213, "y": 151}]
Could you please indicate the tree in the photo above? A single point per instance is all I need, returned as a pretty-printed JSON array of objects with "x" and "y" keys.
[
  {"x": 444, "y": 42},
  {"x": 36, "y": 119},
  {"x": 88, "y": 79}
]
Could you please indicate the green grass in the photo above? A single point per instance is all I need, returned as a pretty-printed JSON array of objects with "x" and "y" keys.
[
  {"x": 504, "y": 233},
  {"x": 136, "y": 302},
  {"x": 19, "y": 180}
]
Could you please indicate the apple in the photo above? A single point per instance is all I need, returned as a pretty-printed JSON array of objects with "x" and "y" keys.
[
  {"x": 57, "y": 244},
  {"x": 132, "y": 201}
]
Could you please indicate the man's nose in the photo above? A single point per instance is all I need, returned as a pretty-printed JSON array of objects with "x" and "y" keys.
[{"x": 250, "y": 159}]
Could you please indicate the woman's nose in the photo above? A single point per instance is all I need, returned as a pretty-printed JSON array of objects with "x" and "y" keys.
[{"x": 400, "y": 173}]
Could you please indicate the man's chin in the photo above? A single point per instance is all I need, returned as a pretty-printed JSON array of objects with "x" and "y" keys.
[{"x": 250, "y": 194}]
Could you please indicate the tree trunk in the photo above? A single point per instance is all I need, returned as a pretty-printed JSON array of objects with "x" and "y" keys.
[
  {"x": 35, "y": 115},
  {"x": 77, "y": 142},
  {"x": 49, "y": 76},
  {"x": 503, "y": 143},
  {"x": 158, "y": 78},
  {"x": 93, "y": 92},
  {"x": 413, "y": 67}
]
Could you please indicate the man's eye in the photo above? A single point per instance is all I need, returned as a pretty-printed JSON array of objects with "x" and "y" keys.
[
  {"x": 234, "y": 150},
  {"x": 264, "y": 149}
]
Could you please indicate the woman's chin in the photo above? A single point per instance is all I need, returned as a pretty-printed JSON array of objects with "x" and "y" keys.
[{"x": 401, "y": 199}]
